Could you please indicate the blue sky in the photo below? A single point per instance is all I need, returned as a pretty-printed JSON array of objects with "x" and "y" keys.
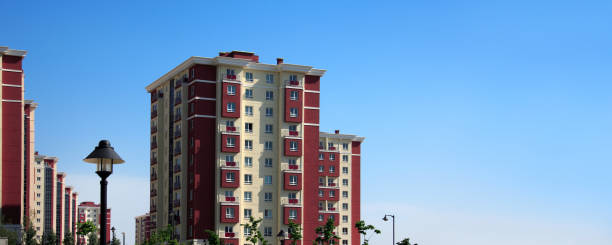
[{"x": 486, "y": 122}]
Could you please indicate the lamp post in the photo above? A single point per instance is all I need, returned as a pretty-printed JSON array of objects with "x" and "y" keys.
[
  {"x": 392, "y": 217},
  {"x": 113, "y": 230},
  {"x": 282, "y": 236},
  {"x": 104, "y": 156},
  {"x": 123, "y": 233}
]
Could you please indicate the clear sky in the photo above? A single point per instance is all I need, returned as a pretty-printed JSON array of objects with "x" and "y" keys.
[{"x": 486, "y": 122}]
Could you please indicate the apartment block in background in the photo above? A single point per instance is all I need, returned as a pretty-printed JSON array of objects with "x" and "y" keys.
[
  {"x": 233, "y": 138},
  {"x": 90, "y": 211},
  {"x": 142, "y": 229}
]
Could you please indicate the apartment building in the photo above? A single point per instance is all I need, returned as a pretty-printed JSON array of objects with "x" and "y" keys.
[
  {"x": 233, "y": 138},
  {"x": 90, "y": 211},
  {"x": 142, "y": 229}
]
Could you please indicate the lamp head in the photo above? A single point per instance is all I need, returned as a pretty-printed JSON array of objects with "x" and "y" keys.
[
  {"x": 104, "y": 156},
  {"x": 281, "y": 234},
  {"x": 385, "y": 218}
]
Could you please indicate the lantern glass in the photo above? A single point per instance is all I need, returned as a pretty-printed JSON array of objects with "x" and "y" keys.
[{"x": 104, "y": 165}]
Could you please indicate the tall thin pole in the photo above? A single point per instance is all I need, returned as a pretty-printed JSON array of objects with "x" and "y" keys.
[
  {"x": 103, "y": 184},
  {"x": 123, "y": 233},
  {"x": 393, "y": 216}
]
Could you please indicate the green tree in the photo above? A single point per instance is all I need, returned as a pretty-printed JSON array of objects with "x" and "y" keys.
[
  {"x": 163, "y": 236},
  {"x": 49, "y": 238},
  {"x": 68, "y": 239},
  {"x": 84, "y": 229},
  {"x": 115, "y": 241},
  {"x": 213, "y": 238},
  {"x": 12, "y": 237},
  {"x": 326, "y": 233},
  {"x": 29, "y": 236},
  {"x": 363, "y": 229},
  {"x": 406, "y": 241},
  {"x": 255, "y": 236},
  {"x": 295, "y": 232},
  {"x": 92, "y": 239}
]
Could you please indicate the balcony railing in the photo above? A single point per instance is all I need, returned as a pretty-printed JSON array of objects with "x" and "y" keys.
[
  {"x": 293, "y": 83},
  {"x": 153, "y": 161},
  {"x": 153, "y": 209},
  {"x": 154, "y": 176},
  {"x": 290, "y": 201},
  {"x": 293, "y": 167},
  {"x": 177, "y": 117},
  {"x": 331, "y": 148},
  {"x": 231, "y": 77},
  {"x": 177, "y": 168},
  {"x": 177, "y": 150},
  {"x": 177, "y": 100},
  {"x": 153, "y": 193},
  {"x": 153, "y": 130},
  {"x": 177, "y": 186},
  {"x": 229, "y": 199},
  {"x": 177, "y": 203},
  {"x": 177, "y": 133},
  {"x": 229, "y": 129},
  {"x": 153, "y": 114},
  {"x": 229, "y": 164},
  {"x": 292, "y": 133},
  {"x": 230, "y": 234},
  {"x": 153, "y": 145}
]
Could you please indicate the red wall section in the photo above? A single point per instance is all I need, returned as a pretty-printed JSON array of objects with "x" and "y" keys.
[
  {"x": 311, "y": 116},
  {"x": 311, "y": 182},
  {"x": 206, "y": 90},
  {"x": 311, "y": 99},
  {"x": 11, "y": 93},
  {"x": 203, "y": 72},
  {"x": 355, "y": 191},
  {"x": 226, "y": 184},
  {"x": 204, "y": 177},
  {"x": 288, "y": 152},
  {"x": 234, "y": 220},
  {"x": 12, "y": 62},
  {"x": 293, "y": 104},
  {"x": 312, "y": 82},
  {"x": 12, "y": 168},
  {"x": 14, "y": 78},
  {"x": 297, "y": 220},
  {"x": 203, "y": 107},
  {"x": 231, "y": 98},
  {"x": 224, "y": 147},
  {"x": 289, "y": 187}
]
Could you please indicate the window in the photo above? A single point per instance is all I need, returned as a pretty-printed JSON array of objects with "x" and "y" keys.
[
  {"x": 229, "y": 193},
  {"x": 269, "y": 78},
  {"x": 332, "y": 193},
  {"x": 293, "y": 179},
  {"x": 229, "y": 123},
  {"x": 320, "y": 217},
  {"x": 345, "y": 194},
  {"x": 247, "y": 213},
  {"x": 248, "y": 179},
  {"x": 321, "y": 193},
  {"x": 269, "y": 95},
  {"x": 345, "y": 206},
  {"x": 229, "y": 213},
  {"x": 231, "y": 107},
  {"x": 268, "y": 145},
  {"x": 293, "y": 112},
  {"x": 248, "y": 93},
  {"x": 321, "y": 168},
  {"x": 248, "y": 110},
  {"x": 332, "y": 169},
  {"x": 248, "y": 127},
  {"x": 332, "y": 156},
  {"x": 268, "y": 180},
  {"x": 268, "y": 196},
  {"x": 269, "y": 112},
  {"x": 330, "y": 206},
  {"x": 229, "y": 158},
  {"x": 293, "y": 78},
  {"x": 268, "y": 128},
  {"x": 294, "y": 95},
  {"x": 345, "y": 218},
  {"x": 293, "y": 145},
  {"x": 231, "y": 90},
  {"x": 249, "y": 76},
  {"x": 330, "y": 145},
  {"x": 248, "y": 144},
  {"x": 345, "y": 158},
  {"x": 321, "y": 181},
  {"x": 292, "y": 128},
  {"x": 267, "y": 213},
  {"x": 344, "y": 170},
  {"x": 229, "y": 229},
  {"x": 248, "y": 162},
  {"x": 292, "y": 161},
  {"x": 321, "y": 156},
  {"x": 230, "y": 141},
  {"x": 345, "y": 146},
  {"x": 230, "y": 72},
  {"x": 321, "y": 145},
  {"x": 229, "y": 177},
  {"x": 192, "y": 90},
  {"x": 248, "y": 196},
  {"x": 344, "y": 231},
  {"x": 345, "y": 242},
  {"x": 268, "y": 231},
  {"x": 291, "y": 195},
  {"x": 345, "y": 182},
  {"x": 268, "y": 162},
  {"x": 292, "y": 214},
  {"x": 330, "y": 182},
  {"x": 247, "y": 230}
]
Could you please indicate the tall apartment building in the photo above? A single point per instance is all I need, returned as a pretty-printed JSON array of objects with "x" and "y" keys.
[
  {"x": 12, "y": 144},
  {"x": 233, "y": 138},
  {"x": 90, "y": 211},
  {"x": 142, "y": 229}
]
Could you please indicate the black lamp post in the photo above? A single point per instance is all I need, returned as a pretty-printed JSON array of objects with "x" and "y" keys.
[
  {"x": 113, "y": 230},
  {"x": 392, "y": 217},
  {"x": 104, "y": 156},
  {"x": 281, "y": 236}
]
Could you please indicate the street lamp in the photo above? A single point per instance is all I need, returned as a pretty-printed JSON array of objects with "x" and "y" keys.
[
  {"x": 282, "y": 236},
  {"x": 392, "y": 217},
  {"x": 113, "y": 230},
  {"x": 104, "y": 156}
]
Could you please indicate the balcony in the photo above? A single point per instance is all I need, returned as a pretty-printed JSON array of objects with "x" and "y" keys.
[
  {"x": 153, "y": 193},
  {"x": 331, "y": 148},
  {"x": 177, "y": 186},
  {"x": 177, "y": 117},
  {"x": 153, "y": 209},
  {"x": 177, "y": 101},
  {"x": 153, "y": 114},
  {"x": 290, "y": 133},
  {"x": 153, "y": 161},
  {"x": 154, "y": 145},
  {"x": 231, "y": 77},
  {"x": 153, "y": 177},
  {"x": 291, "y": 201},
  {"x": 153, "y": 129},
  {"x": 177, "y": 203},
  {"x": 293, "y": 167},
  {"x": 177, "y": 168},
  {"x": 177, "y": 151},
  {"x": 293, "y": 83},
  {"x": 229, "y": 129},
  {"x": 232, "y": 199},
  {"x": 231, "y": 164},
  {"x": 230, "y": 234},
  {"x": 177, "y": 133}
]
